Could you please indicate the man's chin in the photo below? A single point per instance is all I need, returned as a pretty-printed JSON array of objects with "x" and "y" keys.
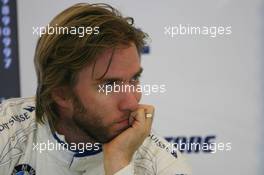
[
  {"x": 116, "y": 134},
  {"x": 104, "y": 138}
]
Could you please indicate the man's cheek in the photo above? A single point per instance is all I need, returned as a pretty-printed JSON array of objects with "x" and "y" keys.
[{"x": 107, "y": 103}]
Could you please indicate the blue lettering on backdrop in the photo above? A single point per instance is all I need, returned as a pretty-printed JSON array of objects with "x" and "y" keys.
[
  {"x": 193, "y": 144},
  {"x": 9, "y": 72}
]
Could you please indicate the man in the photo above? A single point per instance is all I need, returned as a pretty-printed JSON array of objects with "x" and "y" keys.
[{"x": 72, "y": 127}]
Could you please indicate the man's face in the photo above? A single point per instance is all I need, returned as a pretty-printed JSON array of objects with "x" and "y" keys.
[{"x": 102, "y": 116}]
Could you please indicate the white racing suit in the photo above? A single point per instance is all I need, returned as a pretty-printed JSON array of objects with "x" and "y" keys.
[{"x": 20, "y": 154}]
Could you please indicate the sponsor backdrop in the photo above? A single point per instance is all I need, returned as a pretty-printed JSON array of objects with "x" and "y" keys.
[
  {"x": 9, "y": 71},
  {"x": 207, "y": 54}
]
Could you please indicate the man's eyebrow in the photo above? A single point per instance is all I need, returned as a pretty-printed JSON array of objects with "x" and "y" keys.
[{"x": 114, "y": 79}]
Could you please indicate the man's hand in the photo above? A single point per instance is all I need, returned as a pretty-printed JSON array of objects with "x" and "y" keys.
[{"x": 119, "y": 152}]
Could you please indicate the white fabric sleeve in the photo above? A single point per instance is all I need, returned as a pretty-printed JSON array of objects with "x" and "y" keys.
[{"x": 127, "y": 170}]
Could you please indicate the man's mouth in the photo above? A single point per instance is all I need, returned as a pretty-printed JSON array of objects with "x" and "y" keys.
[
  {"x": 124, "y": 121},
  {"x": 123, "y": 124}
]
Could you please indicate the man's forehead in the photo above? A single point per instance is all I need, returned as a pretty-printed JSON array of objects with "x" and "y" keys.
[{"x": 120, "y": 63}]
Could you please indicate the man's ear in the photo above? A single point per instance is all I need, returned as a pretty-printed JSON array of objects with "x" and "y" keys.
[{"x": 61, "y": 96}]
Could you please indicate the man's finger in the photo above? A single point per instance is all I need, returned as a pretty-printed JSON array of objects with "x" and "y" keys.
[
  {"x": 149, "y": 115},
  {"x": 143, "y": 116},
  {"x": 139, "y": 116}
]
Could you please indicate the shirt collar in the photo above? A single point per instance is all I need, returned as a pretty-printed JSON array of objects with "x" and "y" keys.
[{"x": 73, "y": 159}]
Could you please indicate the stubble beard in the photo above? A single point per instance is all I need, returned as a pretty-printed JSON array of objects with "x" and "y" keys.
[{"x": 90, "y": 123}]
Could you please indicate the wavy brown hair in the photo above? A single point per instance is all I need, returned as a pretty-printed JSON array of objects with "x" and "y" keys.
[{"x": 60, "y": 57}]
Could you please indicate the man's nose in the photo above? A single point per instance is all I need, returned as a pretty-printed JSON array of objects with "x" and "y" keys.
[{"x": 129, "y": 101}]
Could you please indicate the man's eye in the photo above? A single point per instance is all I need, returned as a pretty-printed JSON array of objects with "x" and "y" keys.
[
  {"x": 109, "y": 83},
  {"x": 135, "y": 79},
  {"x": 108, "y": 87}
]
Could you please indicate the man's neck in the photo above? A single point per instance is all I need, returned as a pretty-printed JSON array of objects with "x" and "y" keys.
[{"x": 72, "y": 133}]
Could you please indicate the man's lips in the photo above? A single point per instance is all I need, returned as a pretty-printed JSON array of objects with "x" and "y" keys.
[
  {"x": 128, "y": 119},
  {"x": 123, "y": 118},
  {"x": 123, "y": 122}
]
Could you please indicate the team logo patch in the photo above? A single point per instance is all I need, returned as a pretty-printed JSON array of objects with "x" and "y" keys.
[{"x": 23, "y": 169}]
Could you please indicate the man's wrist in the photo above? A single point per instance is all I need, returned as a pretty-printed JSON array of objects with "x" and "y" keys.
[
  {"x": 115, "y": 163},
  {"x": 127, "y": 170}
]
